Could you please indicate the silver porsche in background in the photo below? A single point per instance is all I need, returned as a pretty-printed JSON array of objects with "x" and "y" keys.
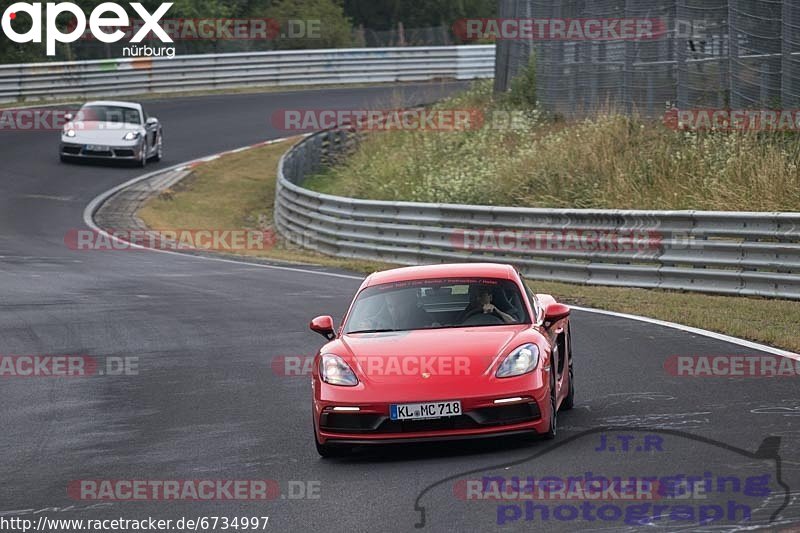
[{"x": 112, "y": 131}]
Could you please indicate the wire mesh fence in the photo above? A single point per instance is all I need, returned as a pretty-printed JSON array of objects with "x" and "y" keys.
[{"x": 726, "y": 54}]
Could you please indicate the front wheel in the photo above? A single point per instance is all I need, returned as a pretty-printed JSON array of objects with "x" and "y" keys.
[
  {"x": 569, "y": 401},
  {"x": 159, "y": 155},
  {"x": 142, "y": 161}
]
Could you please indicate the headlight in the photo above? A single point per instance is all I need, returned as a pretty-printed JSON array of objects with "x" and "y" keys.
[
  {"x": 521, "y": 361},
  {"x": 335, "y": 371},
  {"x": 70, "y": 132},
  {"x": 131, "y": 136}
]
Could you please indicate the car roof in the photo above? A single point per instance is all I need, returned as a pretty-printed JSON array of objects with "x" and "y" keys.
[
  {"x": 131, "y": 105},
  {"x": 460, "y": 270}
]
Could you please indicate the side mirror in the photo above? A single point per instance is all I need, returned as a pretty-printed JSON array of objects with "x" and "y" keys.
[
  {"x": 556, "y": 312},
  {"x": 324, "y": 326},
  {"x": 68, "y": 117},
  {"x": 152, "y": 121}
]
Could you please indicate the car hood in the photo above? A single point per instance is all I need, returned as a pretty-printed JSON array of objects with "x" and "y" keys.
[
  {"x": 446, "y": 354},
  {"x": 101, "y": 133}
]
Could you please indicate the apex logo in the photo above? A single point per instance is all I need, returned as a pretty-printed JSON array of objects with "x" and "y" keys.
[{"x": 106, "y": 15}]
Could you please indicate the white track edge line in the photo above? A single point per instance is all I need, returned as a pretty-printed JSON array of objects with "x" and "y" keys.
[{"x": 696, "y": 331}]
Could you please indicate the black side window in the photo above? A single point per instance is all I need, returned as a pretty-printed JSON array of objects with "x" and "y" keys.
[{"x": 537, "y": 309}]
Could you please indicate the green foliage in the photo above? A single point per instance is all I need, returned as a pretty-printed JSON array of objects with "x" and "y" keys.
[
  {"x": 203, "y": 9},
  {"x": 523, "y": 86},
  {"x": 335, "y": 30},
  {"x": 386, "y": 14}
]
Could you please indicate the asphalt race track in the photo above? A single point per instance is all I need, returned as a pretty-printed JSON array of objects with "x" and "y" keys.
[{"x": 206, "y": 403}]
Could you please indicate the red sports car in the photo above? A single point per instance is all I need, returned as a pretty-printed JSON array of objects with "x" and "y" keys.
[{"x": 442, "y": 352}]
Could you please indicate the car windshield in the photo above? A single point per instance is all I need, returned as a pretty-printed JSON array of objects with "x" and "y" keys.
[
  {"x": 112, "y": 114},
  {"x": 436, "y": 304}
]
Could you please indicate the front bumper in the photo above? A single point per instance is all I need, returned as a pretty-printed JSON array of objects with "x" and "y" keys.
[
  {"x": 121, "y": 152},
  {"x": 480, "y": 417}
]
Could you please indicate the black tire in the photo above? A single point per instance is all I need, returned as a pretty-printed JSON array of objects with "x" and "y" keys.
[
  {"x": 553, "y": 429},
  {"x": 159, "y": 155},
  {"x": 143, "y": 161},
  {"x": 569, "y": 401},
  {"x": 64, "y": 159}
]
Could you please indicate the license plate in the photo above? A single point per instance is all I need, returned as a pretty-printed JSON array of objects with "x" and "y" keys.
[
  {"x": 421, "y": 411},
  {"x": 96, "y": 148}
]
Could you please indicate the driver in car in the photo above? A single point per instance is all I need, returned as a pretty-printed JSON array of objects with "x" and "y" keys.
[{"x": 483, "y": 304}]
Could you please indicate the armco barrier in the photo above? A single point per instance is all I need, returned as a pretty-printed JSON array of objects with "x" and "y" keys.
[
  {"x": 753, "y": 254},
  {"x": 119, "y": 77}
]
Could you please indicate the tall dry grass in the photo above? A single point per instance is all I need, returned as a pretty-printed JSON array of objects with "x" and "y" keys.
[{"x": 608, "y": 161}]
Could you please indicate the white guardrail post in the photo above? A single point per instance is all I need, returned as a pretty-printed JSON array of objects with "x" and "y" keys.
[
  {"x": 752, "y": 254},
  {"x": 119, "y": 77}
]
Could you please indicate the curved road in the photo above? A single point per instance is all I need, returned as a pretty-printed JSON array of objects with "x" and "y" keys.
[{"x": 207, "y": 405}]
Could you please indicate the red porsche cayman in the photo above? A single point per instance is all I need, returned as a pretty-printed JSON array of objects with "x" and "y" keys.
[{"x": 442, "y": 352}]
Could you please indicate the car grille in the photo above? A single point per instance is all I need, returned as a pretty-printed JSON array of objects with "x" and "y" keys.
[
  {"x": 97, "y": 153},
  {"x": 111, "y": 152},
  {"x": 487, "y": 416}
]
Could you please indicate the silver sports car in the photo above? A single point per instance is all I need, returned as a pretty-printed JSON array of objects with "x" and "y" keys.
[{"x": 112, "y": 131}]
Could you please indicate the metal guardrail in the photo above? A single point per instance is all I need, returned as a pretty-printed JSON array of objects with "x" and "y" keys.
[
  {"x": 119, "y": 77},
  {"x": 751, "y": 254}
]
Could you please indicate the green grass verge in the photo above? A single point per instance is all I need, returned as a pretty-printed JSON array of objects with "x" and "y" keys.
[{"x": 237, "y": 191}]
